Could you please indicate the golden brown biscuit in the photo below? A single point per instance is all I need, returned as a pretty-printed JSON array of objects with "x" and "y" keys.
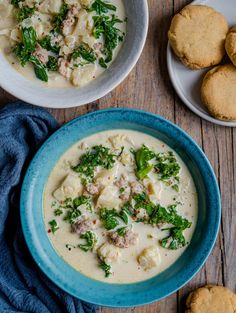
[
  {"x": 218, "y": 92},
  {"x": 211, "y": 299},
  {"x": 230, "y": 44},
  {"x": 197, "y": 36}
]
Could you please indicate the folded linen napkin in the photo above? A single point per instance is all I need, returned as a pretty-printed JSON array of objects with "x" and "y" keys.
[{"x": 23, "y": 287}]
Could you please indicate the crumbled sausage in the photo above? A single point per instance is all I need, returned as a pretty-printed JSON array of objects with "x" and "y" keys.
[
  {"x": 64, "y": 68},
  {"x": 81, "y": 226},
  {"x": 128, "y": 239},
  {"x": 136, "y": 187},
  {"x": 69, "y": 20},
  {"x": 92, "y": 189},
  {"x": 122, "y": 182},
  {"x": 41, "y": 54}
]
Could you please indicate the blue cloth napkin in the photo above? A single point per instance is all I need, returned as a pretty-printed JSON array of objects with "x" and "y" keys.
[{"x": 23, "y": 287}]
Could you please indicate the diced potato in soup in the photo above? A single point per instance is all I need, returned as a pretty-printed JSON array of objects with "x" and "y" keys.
[
  {"x": 120, "y": 219},
  {"x": 63, "y": 43}
]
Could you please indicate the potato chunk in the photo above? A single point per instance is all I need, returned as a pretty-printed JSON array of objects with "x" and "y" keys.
[
  {"x": 70, "y": 187},
  {"x": 108, "y": 198},
  {"x": 108, "y": 253},
  {"x": 149, "y": 257}
]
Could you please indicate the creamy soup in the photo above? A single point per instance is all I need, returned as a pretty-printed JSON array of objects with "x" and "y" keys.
[
  {"x": 120, "y": 206},
  {"x": 61, "y": 42}
]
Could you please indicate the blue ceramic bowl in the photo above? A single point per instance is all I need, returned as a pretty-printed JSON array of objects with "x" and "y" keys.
[{"x": 86, "y": 288}]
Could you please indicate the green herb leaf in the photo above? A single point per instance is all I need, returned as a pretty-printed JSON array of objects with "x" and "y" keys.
[
  {"x": 168, "y": 168},
  {"x": 142, "y": 201},
  {"x": 15, "y": 3},
  {"x": 169, "y": 216},
  {"x": 124, "y": 216},
  {"x": 54, "y": 226},
  {"x": 142, "y": 156},
  {"x": 52, "y": 64},
  {"x": 59, "y": 18},
  {"x": 122, "y": 231},
  {"x": 39, "y": 69},
  {"x": 24, "y": 49},
  {"x": 105, "y": 25},
  {"x": 100, "y": 7},
  {"x": 29, "y": 38},
  {"x": 58, "y": 212},
  {"x": 91, "y": 240},
  {"x": 72, "y": 215},
  {"x": 24, "y": 12},
  {"x": 46, "y": 44},
  {"x": 109, "y": 218},
  {"x": 84, "y": 52},
  {"x": 83, "y": 200},
  {"x": 102, "y": 63},
  {"x": 106, "y": 268},
  {"x": 175, "y": 240},
  {"x": 96, "y": 156},
  {"x": 21, "y": 53}
]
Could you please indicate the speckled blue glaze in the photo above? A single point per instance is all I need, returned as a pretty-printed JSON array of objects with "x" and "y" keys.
[{"x": 114, "y": 294}]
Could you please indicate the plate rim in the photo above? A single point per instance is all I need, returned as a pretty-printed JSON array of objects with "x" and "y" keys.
[{"x": 30, "y": 243}]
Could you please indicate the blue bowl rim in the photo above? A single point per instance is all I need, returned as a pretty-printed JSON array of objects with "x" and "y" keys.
[{"x": 208, "y": 249}]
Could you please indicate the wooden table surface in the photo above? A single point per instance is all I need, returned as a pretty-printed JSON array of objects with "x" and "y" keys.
[{"x": 148, "y": 87}]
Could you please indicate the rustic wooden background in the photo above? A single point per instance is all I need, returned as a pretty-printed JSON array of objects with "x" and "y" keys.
[{"x": 148, "y": 87}]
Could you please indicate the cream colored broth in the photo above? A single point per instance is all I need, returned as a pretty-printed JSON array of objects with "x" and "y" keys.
[
  {"x": 79, "y": 76},
  {"x": 126, "y": 269}
]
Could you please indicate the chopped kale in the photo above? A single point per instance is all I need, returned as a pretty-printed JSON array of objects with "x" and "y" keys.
[
  {"x": 72, "y": 215},
  {"x": 54, "y": 226},
  {"x": 170, "y": 216},
  {"x": 106, "y": 268},
  {"x": 174, "y": 240},
  {"x": 59, "y": 18},
  {"x": 46, "y": 44},
  {"x": 102, "y": 63},
  {"x": 96, "y": 156},
  {"x": 84, "y": 52},
  {"x": 39, "y": 69},
  {"x": 73, "y": 205},
  {"x": 24, "y": 12},
  {"x": 122, "y": 231},
  {"x": 58, "y": 212},
  {"x": 15, "y": 3},
  {"x": 142, "y": 157},
  {"x": 109, "y": 218},
  {"x": 91, "y": 240},
  {"x": 168, "y": 168},
  {"x": 100, "y": 7},
  {"x": 105, "y": 25},
  {"x": 124, "y": 215},
  {"x": 52, "y": 64},
  {"x": 142, "y": 201}
]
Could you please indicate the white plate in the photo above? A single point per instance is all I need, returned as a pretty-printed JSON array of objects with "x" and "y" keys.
[{"x": 187, "y": 82}]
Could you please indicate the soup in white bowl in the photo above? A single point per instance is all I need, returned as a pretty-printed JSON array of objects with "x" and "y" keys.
[
  {"x": 120, "y": 206},
  {"x": 62, "y": 43}
]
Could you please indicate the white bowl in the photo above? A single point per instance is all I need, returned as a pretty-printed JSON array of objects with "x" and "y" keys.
[{"x": 39, "y": 94}]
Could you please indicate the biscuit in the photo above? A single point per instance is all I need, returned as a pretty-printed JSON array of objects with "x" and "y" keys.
[
  {"x": 197, "y": 36},
  {"x": 230, "y": 44},
  {"x": 218, "y": 92},
  {"x": 211, "y": 299}
]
